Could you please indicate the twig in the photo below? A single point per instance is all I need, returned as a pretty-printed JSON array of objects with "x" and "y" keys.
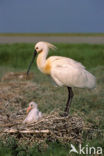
[
  {"x": 10, "y": 125},
  {"x": 26, "y": 131}
]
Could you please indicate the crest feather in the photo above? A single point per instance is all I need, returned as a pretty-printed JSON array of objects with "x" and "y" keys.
[{"x": 50, "y": 46}]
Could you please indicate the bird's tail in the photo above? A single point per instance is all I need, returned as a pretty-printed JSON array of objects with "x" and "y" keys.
[{"x": 91, "y": 81}]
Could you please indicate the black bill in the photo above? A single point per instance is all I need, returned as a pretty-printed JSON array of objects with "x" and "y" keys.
[{"x": 33, "y": 58}]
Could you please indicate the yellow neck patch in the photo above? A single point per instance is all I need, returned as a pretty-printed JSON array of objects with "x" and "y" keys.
[{"x": 47, "y": 68}]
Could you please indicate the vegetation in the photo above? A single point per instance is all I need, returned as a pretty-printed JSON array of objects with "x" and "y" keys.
[
  {"x": 51, "y": 34},
  {"x": 19, "y": 55},
  {"x": 87, "y": 104}
]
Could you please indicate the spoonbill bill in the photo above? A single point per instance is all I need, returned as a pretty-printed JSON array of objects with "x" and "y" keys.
[
  {"x": 33, "y": 115},
  {"x": 64, "y": 71}
]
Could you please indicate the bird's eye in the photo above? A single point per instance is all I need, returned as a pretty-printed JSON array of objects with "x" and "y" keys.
[{"x": 36, "y": 48}]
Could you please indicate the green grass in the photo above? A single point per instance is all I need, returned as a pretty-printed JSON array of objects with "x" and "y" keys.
[
  {"x": 19, "y": 55},
  {"x": 87, "y": 104},
  {"x": 52, "y": 34},
  {"x": 53, "y": 149}
]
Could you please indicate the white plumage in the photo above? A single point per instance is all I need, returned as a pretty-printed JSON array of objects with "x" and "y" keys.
[
  {"x": 64, "y": 71},
  {"x": 33, "y": 115},
  {"x": 67, "y": 72}
]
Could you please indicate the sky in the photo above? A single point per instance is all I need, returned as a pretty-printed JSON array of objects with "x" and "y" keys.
[{"x": 51, "y": 16}]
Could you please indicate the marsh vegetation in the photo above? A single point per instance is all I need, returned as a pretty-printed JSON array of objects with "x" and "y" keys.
[{"x": 87, "y": 104}]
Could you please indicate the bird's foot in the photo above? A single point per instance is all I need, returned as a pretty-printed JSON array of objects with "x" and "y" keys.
[{"x": 64, "y": 114}]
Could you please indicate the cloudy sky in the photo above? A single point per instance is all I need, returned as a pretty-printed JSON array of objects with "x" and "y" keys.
[{"x": 51, "y": 16}]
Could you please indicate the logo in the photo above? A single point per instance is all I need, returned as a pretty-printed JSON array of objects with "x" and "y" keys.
[
  {"x": 86, "y": 150},
  {"x": 73, "y": 149}
]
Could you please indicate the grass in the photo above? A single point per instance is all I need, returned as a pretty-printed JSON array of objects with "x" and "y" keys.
[
  {"x": 52, "y": 34},
  {"x": 25, "y": 151},
  {"x": 19, "y": 55},
  {"x": 87, "y": 104}
]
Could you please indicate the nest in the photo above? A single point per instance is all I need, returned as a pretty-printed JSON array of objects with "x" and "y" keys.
[
  {"x": 14, "y": 97},
  {"x": 16, "y": 76},
  {"x": 51, "y": 127}
]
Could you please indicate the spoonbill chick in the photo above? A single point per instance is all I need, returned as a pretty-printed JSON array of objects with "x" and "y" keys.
[
  {"x": 64, "y": 71},
  {"x": 34, "y": 113}
]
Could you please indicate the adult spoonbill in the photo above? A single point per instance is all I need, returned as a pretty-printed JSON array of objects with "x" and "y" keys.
[
  {"x": 34, "y": 113},
  {"x": 64, "y": 71}
]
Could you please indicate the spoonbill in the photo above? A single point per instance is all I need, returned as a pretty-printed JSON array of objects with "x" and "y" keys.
[
  {"x": 64, "y": 71},
  {"x": 33, "y": 115}
]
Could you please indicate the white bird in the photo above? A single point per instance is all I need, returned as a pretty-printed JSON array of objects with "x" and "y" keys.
[
  {"x": 64, "y": 71},
  {"x": 33, "y": 115}
]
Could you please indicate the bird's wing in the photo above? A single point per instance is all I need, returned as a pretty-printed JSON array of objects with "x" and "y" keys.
[
  {"x": 40, "y": 114},
  {"x": 71, "y": 73},
  {"x": 63, "y": 74},
  {"x": 31, "y": 117},
  {"x": 65, "y": 61}
]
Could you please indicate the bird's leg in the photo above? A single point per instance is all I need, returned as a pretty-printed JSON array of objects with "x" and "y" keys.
[{"x": 70, "y": 96}]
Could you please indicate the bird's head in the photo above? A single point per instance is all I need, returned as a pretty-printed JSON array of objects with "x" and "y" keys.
[
  {"x": 42, "y": 46},
  {"x": 38, "y": 48},
  {"x": 31, "y": 106}
]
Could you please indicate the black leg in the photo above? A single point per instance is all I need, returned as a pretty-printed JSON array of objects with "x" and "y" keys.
[{"x": 70, "y": 96}]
